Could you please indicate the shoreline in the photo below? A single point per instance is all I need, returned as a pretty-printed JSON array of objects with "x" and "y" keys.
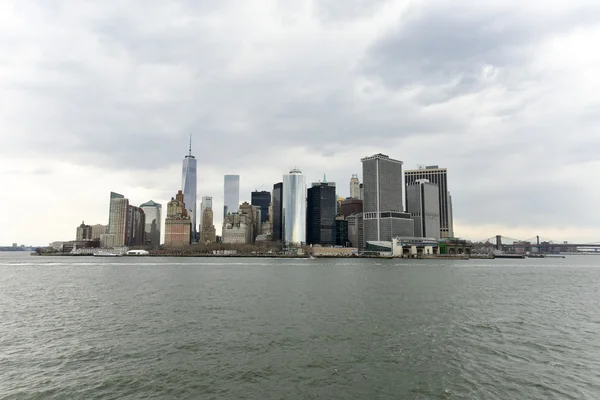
[{"x": 282, "y": 256}]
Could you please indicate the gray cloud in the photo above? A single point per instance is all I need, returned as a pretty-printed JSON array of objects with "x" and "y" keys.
[
  {"x": 331, "y": 11},
  {"x": 445, "y": 49}
]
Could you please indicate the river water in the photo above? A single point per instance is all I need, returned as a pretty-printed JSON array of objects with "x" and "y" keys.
[{"x": 218, "y": 328}]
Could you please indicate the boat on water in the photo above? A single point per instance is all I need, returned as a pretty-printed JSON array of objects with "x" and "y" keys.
[
  {"x": 507, "y": 255},
  {"x": 534, "y": 255},
  {"x": 107, "y": 253},
  {"x": 137, "y": 253},
  {"x": 537, "y": 255}
]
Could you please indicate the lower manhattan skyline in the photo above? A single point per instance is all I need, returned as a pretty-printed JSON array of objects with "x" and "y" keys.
[{"x": 508, "y": 108}]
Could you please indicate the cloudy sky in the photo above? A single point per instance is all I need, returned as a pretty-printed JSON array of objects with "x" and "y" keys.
[{"x": 101, "y": 96}]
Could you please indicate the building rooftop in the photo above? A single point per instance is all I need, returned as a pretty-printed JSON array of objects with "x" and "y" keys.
[
  {"x": 381, "y": 157},
  {"x": 151, "y": 203},
  {"x": 421, "y": 170}
]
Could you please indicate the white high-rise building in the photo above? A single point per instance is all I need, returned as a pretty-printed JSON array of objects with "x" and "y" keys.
[
  {"x": 423, "y": 204},
  {"x": 354, "y": 187},
  {"x": 439, "y": 176},
  {"x": 189, "y": 183},
  {"x": 294, "y": 207}
]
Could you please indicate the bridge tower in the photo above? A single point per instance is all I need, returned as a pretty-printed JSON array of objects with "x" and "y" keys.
[{"x": 499, "y": 242}]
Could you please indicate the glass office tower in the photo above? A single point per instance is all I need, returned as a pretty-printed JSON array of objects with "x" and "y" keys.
[
  {"x": 294, "y": 208},
  {"x": 262, "y": 200},
  {"x": 153, "y": 222},
  {"x": 231, "y": 197},
  {"x": 189, "y": 183},
  {"x": 277, "y": 211},
  {"x": 320, "y": 213}
]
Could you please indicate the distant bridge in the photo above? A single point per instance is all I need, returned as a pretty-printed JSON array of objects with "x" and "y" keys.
[{"x": 539, "y": 244}]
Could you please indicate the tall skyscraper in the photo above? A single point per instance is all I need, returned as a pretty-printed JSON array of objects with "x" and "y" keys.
[
  {"x": 207, "y": 234},
  {"x": 178, "y": 226},
  {"x": 294, "y": 208},
  {"x": 117, "y": 219},
  {"x": 277, "y": 208},
  {"x": 439, "y": 176},
  {"x": 113, "y": 196},
  {"x": 136, "y": 221},
  {"x": 423, "y": 204},
  {"x": 354, "y": 187},
  {"x": 206, "y": 203},
  {"x": 84, "y": 232},
  {"x": 383, "y": 216},
  {"x": 153, "y": 223},
  {"x": 231, "y": 199},
  {"x": 189, "y": 183},
  {"x": 262, "y": 200},
  {"x": 320, "y": 213}
]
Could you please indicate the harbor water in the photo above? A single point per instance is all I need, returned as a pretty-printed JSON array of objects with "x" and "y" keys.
[{"x": 219, "y": 328}]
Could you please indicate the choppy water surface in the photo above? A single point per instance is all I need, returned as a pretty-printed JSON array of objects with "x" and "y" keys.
[{"x": 160, "y": 328}]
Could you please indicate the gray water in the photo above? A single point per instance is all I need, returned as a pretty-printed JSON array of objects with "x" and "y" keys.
[{"x": 182, "y": 328}]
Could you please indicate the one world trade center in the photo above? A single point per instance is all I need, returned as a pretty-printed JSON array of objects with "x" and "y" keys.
[{"x": 189, "y": 183}]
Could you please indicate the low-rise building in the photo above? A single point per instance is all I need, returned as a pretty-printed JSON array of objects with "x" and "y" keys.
[
  {"x": 242, "y": 227},
  {"x": 356, "y": 235},
  {"x": 319, "y": 251},
  {"x": 108, "y": 240}
]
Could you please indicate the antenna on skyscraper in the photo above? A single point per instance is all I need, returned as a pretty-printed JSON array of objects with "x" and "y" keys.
[{"x": 190, "y": 144}]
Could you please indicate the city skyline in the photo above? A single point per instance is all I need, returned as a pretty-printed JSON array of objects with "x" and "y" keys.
[
  {"x": 500, "y": 94},
  {"x": 248, "y": 195}
]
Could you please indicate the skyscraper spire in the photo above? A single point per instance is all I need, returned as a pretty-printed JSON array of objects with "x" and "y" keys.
[
  {"x": 189, "y": 183},
  {"x": 324, "y": 178}
]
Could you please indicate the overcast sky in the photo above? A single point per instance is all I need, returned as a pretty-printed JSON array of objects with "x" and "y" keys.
[{"x": 101, "y": 96}]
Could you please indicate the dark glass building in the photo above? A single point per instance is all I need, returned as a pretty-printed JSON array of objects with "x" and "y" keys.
[
  {"x": 320, "y": 214},
  {"x": 262, "y": 200},
  {"x": 277, "y": 211},
  {"x": 341, "y": 231}
]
